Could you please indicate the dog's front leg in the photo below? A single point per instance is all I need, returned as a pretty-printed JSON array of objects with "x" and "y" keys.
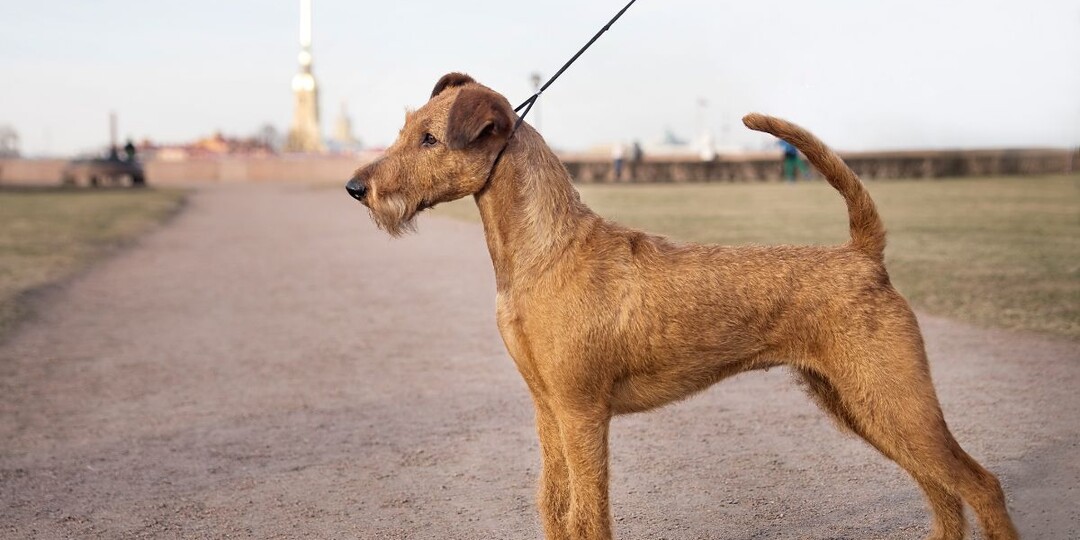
[
  {"x": 585, "y": 445},
  {"x": 554, "y": 496}
]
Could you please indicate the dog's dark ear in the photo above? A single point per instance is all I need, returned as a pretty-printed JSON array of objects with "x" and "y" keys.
[
  {"x": 478, "y": 114},
  {"x": 450, "y": 80}
]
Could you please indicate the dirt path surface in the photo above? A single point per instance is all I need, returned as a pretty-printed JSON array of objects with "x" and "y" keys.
[{"x": 270, "y": 366}]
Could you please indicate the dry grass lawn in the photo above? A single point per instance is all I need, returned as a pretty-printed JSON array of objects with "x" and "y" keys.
[
  {"x": 1001, "y": 252},
  {"x": 47, "y": 235},
  {"x": 994, "y": 251}
]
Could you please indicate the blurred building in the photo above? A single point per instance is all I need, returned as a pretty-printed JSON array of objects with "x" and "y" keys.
[
  {"x": 343, "y": 141},
  {"x": 215, "y": 145},
  {"x": 305, "y": 134}
]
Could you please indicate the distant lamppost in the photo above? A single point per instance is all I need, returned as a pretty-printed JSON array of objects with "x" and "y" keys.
[{"x": 536, "y": 88}]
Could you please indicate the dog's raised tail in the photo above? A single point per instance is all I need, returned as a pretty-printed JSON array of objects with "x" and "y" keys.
[{"x": 867, "y": 230}]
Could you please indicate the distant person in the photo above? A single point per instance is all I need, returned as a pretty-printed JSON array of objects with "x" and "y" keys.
[
  {"x": 636, "y": 156},
  {"x": 793, "y": 165},
  {"x": 129, "y": 151},
  {"x": 617, "y": 156},
  {"x": 708, "y": 151}
]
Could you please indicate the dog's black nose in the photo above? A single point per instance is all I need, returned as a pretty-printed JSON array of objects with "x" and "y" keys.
[{"x": 356, "y": 189}]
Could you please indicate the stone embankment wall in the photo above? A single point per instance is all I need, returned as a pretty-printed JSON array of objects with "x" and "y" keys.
[
  {"x": 734, "y": 168},
  {"x": 868, "y": 165}
]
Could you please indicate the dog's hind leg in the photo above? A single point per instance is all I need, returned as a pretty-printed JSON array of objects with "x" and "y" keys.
[
  {"x": 983, "y": 492},
  {"x": 889, "y": 400},
  {"x": 947, "y": 507}
]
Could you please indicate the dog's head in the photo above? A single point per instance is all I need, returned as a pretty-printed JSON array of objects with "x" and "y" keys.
[{"x": 445, "y": 151}]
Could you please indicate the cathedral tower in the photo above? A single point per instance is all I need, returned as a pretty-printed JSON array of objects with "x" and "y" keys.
[{"x": 305, "y": 135}]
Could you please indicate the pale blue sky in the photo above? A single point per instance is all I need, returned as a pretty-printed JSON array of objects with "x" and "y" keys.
[{"x": 863, "y": 74}]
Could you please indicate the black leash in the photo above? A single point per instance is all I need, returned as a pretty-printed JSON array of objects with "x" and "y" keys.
[{"x": 528, "y": 103}]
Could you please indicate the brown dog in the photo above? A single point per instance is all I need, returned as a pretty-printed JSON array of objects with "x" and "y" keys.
[{"x": 603, "y": 320}]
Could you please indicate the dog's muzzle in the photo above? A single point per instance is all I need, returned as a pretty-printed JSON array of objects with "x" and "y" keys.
[{"x": 356, "y": 189}]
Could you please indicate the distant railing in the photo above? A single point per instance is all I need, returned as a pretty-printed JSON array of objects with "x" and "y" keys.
[{"x": 868, "y": 165}]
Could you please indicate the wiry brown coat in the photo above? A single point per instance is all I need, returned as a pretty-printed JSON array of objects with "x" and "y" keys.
[{"x": 604, "y": 320}]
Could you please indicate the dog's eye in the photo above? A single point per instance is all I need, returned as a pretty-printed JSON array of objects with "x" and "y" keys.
[{"x": 429, "y": 140}]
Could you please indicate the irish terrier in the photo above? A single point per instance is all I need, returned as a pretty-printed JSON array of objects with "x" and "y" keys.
[{"x": 604, "y": 320}]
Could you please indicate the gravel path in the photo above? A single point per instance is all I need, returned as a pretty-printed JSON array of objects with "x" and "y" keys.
[{"x": 270, "y": 366}]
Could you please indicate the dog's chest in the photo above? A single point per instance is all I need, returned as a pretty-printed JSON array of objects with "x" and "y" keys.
[{"x": 511, "y": 328}]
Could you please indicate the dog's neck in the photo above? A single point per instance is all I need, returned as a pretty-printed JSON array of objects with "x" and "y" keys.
[{"x": 531, "y": 211}]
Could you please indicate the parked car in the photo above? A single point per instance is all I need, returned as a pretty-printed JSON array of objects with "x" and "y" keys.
[{"x": 96, "y": 172}]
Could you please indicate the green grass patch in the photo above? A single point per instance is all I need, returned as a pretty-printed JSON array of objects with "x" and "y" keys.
[
  {"x": 1001, "y": 252},
  {"x": 47, "y": 235}
]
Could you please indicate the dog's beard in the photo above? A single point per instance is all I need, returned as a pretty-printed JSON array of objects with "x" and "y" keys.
[{"x": 394, "y": 215}]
